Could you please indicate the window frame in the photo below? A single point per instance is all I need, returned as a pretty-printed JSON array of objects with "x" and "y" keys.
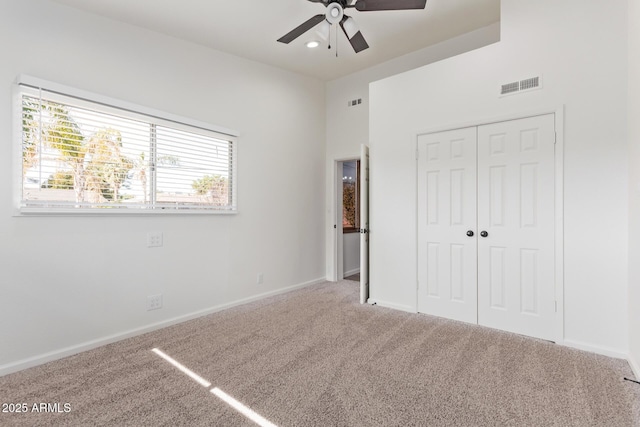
[{"x": 133, "y": 111}]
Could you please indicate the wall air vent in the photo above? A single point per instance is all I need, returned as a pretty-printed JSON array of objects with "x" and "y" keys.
[
  {"x": 510, "y": 88},
  {"x": 525, "y": 85},
  {"x": 354, "y": 102},
  {"x": 531, "y": 83}
]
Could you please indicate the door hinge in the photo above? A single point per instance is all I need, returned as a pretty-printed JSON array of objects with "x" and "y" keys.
[
  {"x": 556, "y": 304},
  {"x": 555, "y": 137}
]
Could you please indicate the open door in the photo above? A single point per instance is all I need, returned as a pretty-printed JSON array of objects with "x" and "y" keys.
[
  {"x": 364, "y": 223},
  {"x": 338, "y": 272}
]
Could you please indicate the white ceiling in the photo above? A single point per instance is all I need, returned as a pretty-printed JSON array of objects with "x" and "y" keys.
[{"x": 250, "y": 28}]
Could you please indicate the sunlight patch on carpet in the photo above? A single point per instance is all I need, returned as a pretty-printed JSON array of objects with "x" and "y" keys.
[
  {"x": 183, "y": 368},
  {"x": 244, "y": 410},
  {"x": 235, "y": 404}
]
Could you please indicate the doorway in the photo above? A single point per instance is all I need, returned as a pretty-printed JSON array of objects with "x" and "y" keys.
[
  {"x": 348, "y": 218},
  {"x": 351, "y": 221}
]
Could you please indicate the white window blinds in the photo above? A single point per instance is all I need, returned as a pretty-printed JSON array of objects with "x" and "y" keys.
[{"x": 85, "y": 155}]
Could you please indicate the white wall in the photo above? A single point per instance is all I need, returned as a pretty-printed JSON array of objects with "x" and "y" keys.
[
  {"x": 351, "y": 253},
  {"x": 348, "y": 127},
  {"x": 580, "y": 48},
  {"x": 634, "y": 184},
  {"x": 66, "y": 282}
]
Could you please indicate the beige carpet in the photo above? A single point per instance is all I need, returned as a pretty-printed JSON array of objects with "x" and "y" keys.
[
  {"x": 315, "y": 357},
  {"x": 353, "y": 277}
]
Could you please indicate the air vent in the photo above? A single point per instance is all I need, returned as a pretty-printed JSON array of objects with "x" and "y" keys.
[
  {"x": 510, "y": 88},
  {"x": 529, "y": 84},
  {"x": 354, "y": 102}
]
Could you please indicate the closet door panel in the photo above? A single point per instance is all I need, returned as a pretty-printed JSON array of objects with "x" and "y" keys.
[
  {"x": 516, "y": 287},
  {"x": 447, "y": 256}
]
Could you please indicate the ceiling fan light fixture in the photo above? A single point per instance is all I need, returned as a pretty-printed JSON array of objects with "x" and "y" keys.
[
  {"x": 323, "y": 30},
  {"x": 313, "y": 44},
  {"x": 350, "y": 27}
]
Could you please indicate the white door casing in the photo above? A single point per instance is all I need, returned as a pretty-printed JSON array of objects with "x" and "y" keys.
[
  {"x": 447, "y": 258},
  {"x": 516, "y": 178},
  {"x": 364, "y": 223}
]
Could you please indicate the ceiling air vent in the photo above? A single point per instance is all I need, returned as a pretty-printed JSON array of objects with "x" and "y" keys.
[{"x": 525, "y": 85}]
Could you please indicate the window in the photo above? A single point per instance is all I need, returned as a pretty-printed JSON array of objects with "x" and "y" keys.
[
  {"x": 351, "y": 196},
  {"x": 86, "y": 153}
]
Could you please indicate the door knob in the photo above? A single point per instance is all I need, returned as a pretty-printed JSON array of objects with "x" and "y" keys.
[
  {"x": 484, "y": 233},
  {"x": 470, "y": 233}
]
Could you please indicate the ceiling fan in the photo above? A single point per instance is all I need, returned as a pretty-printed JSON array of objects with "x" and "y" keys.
[{"x": 335, "y": 14}]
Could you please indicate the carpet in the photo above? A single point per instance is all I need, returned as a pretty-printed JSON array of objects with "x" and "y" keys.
[{"x": 316, "y": 357}]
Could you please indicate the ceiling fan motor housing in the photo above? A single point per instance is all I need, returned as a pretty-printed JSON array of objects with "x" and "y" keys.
[{"x": 335, "y": 12}]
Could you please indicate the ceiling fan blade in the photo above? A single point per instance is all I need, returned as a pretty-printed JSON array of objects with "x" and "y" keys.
[
  {"x": 358, "y": 42},
  {"x": 303, "y": 28},
  {"x": 357, "y": 39},
  {"x": 373, "y": 5}
]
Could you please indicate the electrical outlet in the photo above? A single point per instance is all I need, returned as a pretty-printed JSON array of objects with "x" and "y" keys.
[
  {"x": 154, "y": 239},
  {"x": 154, "y": 302},
  {"x": 260, "y": 279}
]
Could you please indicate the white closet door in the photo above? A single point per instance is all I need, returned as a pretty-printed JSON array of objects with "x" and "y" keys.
[
  {"x": 447, "y": 277},
  {"x": 516, "y": 288}
]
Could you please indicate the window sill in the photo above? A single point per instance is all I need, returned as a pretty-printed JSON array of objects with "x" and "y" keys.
[{"x": 33, "y": 212}]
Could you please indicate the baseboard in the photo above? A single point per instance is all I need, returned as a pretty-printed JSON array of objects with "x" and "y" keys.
[
  {"x": 351, "y": 272},
  {"x": 635, "y": 366},
  {"x": 605, "y": 351},
  {"x": 89, "y": 345},
  {"x": 395, "y": 306}
]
